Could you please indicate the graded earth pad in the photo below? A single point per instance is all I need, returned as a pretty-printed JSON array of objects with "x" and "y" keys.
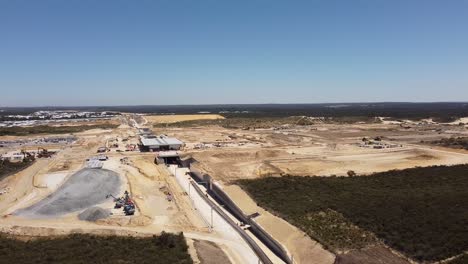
[{"x": 83, "y": 189}]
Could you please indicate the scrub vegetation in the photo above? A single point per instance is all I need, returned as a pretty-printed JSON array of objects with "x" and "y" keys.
[
  {"x": 420, "y": 212},
  {"x": 78, "y": 248},
  {"x": 264, "y": 122},
  {"x": 7, "y": 167},
  {"x": 25, "y": 131},
  {"x": 453, "y": 142}
]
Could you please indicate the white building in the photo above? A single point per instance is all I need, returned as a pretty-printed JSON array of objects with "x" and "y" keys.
[{"x": 160, "y": 143}]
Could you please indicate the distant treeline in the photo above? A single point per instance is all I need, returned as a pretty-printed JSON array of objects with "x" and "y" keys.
[
  {"x": 444, "y": 111},
  {"x": 43, "y": 129}
]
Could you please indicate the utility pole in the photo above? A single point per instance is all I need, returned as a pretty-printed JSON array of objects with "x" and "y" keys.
[{"x": 211, "y": 218}]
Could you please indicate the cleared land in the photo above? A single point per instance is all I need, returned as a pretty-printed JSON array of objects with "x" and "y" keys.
[
  {"x": 83, "y": 189},
  {"x": 228, "y": 149},
  {"x": 210, "y": 253},
  {"x": 180, "y": 118},
  {"x": 165, "y": 248},
  {"x": 25, "y": 131},
  {"x": 420, "y": 212}
]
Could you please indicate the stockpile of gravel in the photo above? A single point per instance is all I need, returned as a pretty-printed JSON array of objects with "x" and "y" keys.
[
  {"x": 85, "y": 188},
  {"x": 93, "y": 214}
]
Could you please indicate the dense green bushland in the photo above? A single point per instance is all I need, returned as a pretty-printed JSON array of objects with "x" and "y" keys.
[
  {"x": 24, "y": 131},
  {"x": 421, "y": 212},
  {"x": 8, "y": 168},
  {"x": 166, "y": 248}
]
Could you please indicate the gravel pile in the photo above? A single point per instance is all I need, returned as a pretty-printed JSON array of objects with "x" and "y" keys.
[
  {"x": 84, "y": 189},
  {"x": 93, "y": 214}
]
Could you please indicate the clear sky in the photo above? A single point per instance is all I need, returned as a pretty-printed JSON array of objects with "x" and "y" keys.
[{"x": 125, "y": 52}]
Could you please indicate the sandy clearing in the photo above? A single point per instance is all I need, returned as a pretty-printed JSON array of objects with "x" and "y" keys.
[
  {"x": 210, "y": 253},
  {"x": 52, "y": 180},
  {"x": 179, "y": 118}
]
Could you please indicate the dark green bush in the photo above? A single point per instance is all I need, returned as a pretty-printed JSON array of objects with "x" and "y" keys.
[
  {"x": 78, "y": 248},
  {"x": 421, "y": 212}
]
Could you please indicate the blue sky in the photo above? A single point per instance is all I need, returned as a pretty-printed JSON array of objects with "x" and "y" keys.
[{"x": 122, "y": 52}]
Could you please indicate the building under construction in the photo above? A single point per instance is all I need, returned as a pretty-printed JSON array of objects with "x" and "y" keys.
[{"x": 160, "y": 143}]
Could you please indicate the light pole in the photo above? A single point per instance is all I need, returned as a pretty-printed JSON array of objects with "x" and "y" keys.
[{"x": 211, "y": 218}]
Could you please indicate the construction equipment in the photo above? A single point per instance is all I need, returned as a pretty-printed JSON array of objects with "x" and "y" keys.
[
  {"x": 119, "y": 202},
  {"x": 129, "y": 209},
  {"x": 27, "y": 155},
  {"x": 44, "y": 153},
  {"x": 126, "y": 202}
]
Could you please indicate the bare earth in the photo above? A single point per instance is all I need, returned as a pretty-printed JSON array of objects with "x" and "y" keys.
[
  {"x": 227, "y": 155},
  {"x": 210, "y": 253}
]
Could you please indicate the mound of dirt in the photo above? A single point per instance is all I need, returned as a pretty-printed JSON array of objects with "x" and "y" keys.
[{"x": 93, "y": 214}]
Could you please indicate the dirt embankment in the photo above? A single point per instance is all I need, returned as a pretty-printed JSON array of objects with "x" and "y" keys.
[{"x": 301, "y": 246}]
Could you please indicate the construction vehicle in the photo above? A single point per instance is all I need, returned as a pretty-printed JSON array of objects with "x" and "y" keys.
[
  {"x": 125, "y": 202},
  {"x": 27, "y": 155},
  {"x": 119, "y": 202},
  {"x": 44, "y": 153},
  {"x": 129, "y": 208}
]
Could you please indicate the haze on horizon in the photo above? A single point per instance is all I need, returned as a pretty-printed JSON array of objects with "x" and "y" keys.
[{"x": 79, "y": 53}]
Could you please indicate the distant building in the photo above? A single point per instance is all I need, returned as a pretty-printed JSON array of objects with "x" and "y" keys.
[
  {"x": 160, "y": 143},
  {"x": 12, "y": 156}
]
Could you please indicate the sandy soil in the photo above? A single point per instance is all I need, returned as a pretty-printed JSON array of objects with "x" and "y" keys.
[
  {"x": 179, "y": 118},
  {"x": 209, "y": 253},
  {"x": 324, "y": 150},
  {"x": 227, "y": 155}
]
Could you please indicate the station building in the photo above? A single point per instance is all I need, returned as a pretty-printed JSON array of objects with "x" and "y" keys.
[{"x": 160, "y": 143}]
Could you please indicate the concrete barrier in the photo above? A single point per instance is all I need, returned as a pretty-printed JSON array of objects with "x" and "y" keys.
[{"x": 218, "y": 220}]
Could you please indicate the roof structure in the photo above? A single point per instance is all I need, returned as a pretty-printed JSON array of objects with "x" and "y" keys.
[
  {"x": 168, "y": 154},
  {"x": 160, "y": 141}
]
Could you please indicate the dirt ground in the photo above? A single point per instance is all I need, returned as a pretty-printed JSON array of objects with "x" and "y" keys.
[
  {"x": 209, "y": 253},
  {"x": 227, "y": 155},
  {"x": 322, "y": 150}
]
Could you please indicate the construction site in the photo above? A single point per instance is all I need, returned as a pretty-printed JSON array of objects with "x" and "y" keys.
[{"x": 142, "y": 178}]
